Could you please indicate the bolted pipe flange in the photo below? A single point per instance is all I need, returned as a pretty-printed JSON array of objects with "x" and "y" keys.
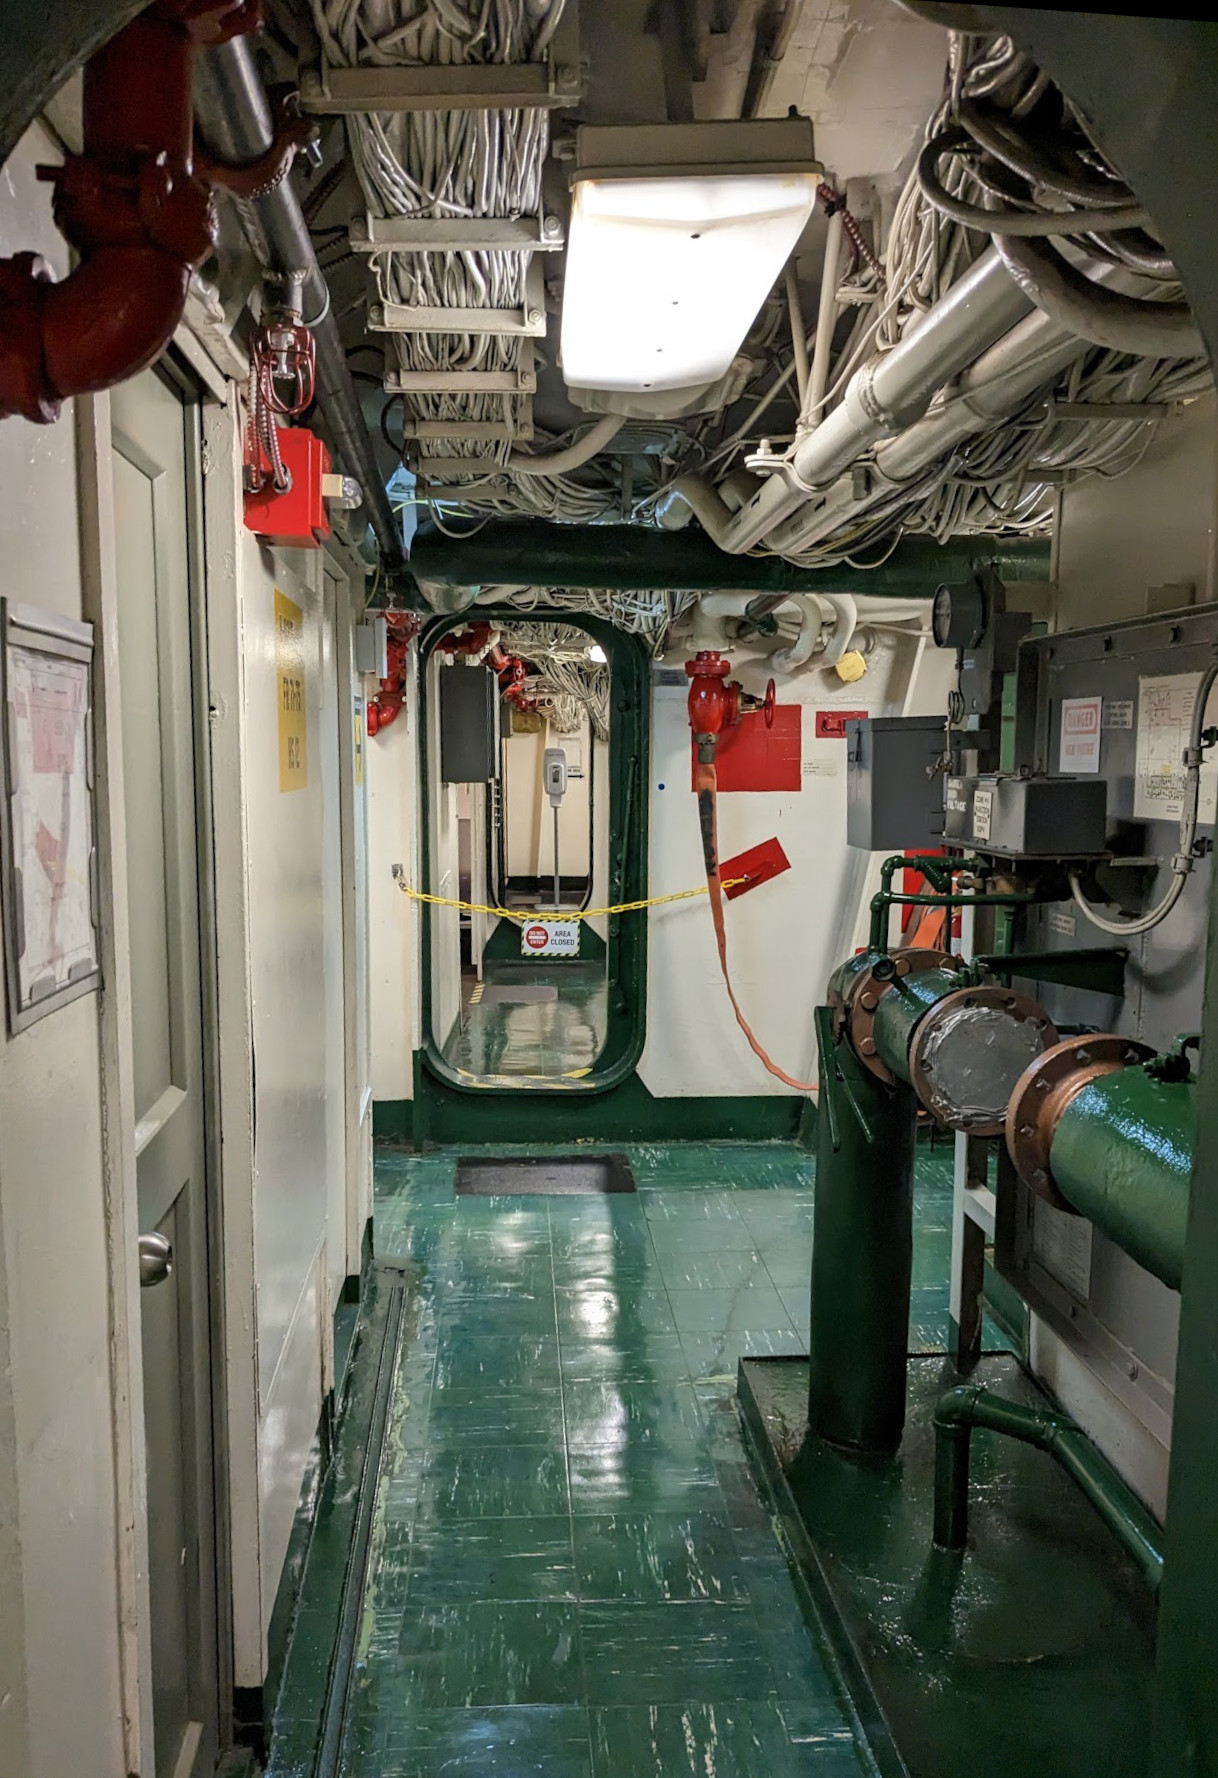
[
  {"x": 952, "y": 1044},
  {"x": 854, "y": 998},
  {"x": 1046, "y": 1089}
]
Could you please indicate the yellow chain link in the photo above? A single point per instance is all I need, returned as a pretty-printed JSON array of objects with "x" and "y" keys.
[{"x": 623, "y": 907}]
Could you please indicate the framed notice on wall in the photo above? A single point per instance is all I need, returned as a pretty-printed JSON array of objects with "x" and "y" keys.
[
  {"x": 48, "y": 859},
  {"x": 290, "y": 693}
]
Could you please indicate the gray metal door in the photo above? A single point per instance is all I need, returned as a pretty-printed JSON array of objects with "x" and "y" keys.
[{"x": 156, "y": 489}]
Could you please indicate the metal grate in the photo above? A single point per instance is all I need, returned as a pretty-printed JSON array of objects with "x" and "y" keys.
[
  {"x": 509, "y": 994},
  {"x": 546, "y": 1176}
]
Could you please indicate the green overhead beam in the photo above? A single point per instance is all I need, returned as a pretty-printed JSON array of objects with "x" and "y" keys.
[{"x": 634, "y": 558}]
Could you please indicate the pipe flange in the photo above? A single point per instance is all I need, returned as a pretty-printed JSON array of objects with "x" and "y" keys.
[
  {"x": 926, "y": 1077},
  {"x": 1046, "y": 1089},
  {"x": 857, "y": 1013}
]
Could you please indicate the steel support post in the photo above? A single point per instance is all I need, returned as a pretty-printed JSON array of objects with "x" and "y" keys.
[{"x": 862, "y": 1252}]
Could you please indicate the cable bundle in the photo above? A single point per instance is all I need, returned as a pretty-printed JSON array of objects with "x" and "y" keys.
[
  {"x": 436, "y": 164},
  {"x": 1006, "y": 157}
]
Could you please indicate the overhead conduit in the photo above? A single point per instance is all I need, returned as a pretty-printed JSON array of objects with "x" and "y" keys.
[
  {"x": 575, "y": 456},
  {"x": 1001, "y": 381},
  {"x": 885, "y": 396},
  {"x": 235, "y": 119}
]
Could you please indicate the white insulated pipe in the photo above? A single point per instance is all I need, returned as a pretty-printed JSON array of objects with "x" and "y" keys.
[
  {"x": 799, "y": 652},
  {"x": 799, "y": 343},
  {"x": 826, "y": 319},
  {"x": 889, "y": 393},
  {"x": 997, "y": 385},
  {"x": 845, "y": 615},
  {"x": 815, "y": 611},
  {"x": 574, "y": 456}
]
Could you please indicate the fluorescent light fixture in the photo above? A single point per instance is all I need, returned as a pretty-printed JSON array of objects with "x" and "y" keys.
[
  {"x": 597, "y": 655},
  {"x": 678, "y": 233}
]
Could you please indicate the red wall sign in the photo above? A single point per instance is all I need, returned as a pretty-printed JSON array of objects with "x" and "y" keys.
[
  {"x": 749, "y": 869},
  {"x": 751, "y": 756},
  {"x": 831, "y": 724}
]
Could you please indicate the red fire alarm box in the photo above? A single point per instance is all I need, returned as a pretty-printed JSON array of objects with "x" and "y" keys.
[{"x": 297, "y": 519}]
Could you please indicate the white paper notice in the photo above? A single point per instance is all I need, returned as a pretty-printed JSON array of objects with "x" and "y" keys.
[
  {"x": 1062, "y": 1244},
  {"x": 1080, "y": 735},
  {"x": 1165, "y": 713}
]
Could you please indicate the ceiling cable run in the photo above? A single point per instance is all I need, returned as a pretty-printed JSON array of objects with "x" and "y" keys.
[
  {"x": 235, "y": 118},
  {"x": 440, "y": 170}
]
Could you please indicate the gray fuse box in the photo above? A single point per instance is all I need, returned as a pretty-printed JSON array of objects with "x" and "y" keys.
[
  {"x": 894, "y": 795},
  {"x": 1014, "y": 815}
]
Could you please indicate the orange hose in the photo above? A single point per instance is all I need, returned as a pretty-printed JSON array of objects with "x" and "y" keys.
[{"x": 706, "y": 784}]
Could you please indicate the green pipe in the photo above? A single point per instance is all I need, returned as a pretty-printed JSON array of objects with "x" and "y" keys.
[
  {"x": 637, "y": 558},
  {"x": 961, "y": 1409},
  {"x": 862, "y": 1252},
  {"x": 1122, "y": 1156},
  {"x": 901, "y": 1009},
  {"x": 882, "y": 903}
]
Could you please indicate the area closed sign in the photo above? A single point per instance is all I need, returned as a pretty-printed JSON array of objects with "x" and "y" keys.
[{"x": 550, "y": 938}]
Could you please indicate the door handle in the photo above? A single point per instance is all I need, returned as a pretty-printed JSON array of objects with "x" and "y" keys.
[{"x": 156, "y": 1259}]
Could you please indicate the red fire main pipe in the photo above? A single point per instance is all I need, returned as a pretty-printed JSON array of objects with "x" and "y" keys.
[{"x": 132, "y": 207}]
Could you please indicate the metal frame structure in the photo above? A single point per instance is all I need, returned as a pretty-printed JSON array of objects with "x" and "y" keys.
[{"x": 629, "y": 750}]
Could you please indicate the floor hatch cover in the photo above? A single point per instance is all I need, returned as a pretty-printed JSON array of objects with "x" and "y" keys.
[{"x": 549, "y": 1176}]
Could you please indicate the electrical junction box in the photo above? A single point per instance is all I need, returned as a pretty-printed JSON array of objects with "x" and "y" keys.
[
  {"x": 297, "y": 519},
  {"x": 894, "y": 796},
  {"x": 1014, "y": 815},
  {"x": 371, "y": 646},
  {"x": 469, "y": 724}
]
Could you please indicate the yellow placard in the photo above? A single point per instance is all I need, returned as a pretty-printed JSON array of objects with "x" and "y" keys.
[
  {"x": 290, "y": 677},
  {"x": 359, "y": 742}
]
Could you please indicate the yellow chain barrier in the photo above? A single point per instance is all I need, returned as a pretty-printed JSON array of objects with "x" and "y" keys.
[{"x": 623, "y": 907}]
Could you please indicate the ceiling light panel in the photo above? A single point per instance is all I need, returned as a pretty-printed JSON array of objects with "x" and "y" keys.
[{"x": 670, "y": 257}]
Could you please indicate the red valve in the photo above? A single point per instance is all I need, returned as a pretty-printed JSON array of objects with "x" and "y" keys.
[
  {"x": 385, "y": 707},
  {"x": 714, "y": 700},
  {"x": 717, "y": 702}
]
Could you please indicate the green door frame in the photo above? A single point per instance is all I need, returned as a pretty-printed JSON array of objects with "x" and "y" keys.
[{"x": 629, "y": 777}]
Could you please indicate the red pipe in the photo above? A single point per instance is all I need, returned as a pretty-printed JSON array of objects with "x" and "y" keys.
[
  {"x": 132, "y": 207},
  {"x": 386, "y": 706}
]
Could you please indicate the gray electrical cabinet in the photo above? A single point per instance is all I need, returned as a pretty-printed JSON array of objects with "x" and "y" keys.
[
  {"x": 894, "y": 791},
  {"x": 469, "y": 724},
  {"x": 1013, "y": 815}
]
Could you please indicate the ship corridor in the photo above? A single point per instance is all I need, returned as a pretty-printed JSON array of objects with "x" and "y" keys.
[{"x": 608, "y": 953}]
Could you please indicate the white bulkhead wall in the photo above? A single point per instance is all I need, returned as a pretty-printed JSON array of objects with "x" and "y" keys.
[
  {"x": 1154, "y": 527},
  {"x": 786, "y": 936},
  {"x": 296, "y": 962},
  {"x": 393, "y": 920},
  {"x": 61, "y": 1703},
  {"x": 73, "y": 1598}
]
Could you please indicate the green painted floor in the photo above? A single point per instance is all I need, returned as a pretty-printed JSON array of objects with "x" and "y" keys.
[
  {"x": 571, "y": 1570},
  {"x": 532, "y": 1042}
]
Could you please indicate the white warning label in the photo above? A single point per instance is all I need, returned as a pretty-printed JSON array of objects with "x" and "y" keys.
[{"x": 1165, "y": 714}]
